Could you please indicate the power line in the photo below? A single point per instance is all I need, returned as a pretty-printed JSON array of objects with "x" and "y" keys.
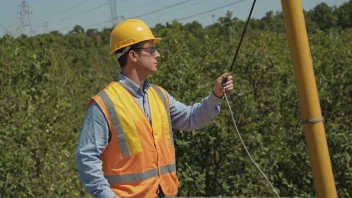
[
  {"x": 161, "y": 9},
  {"x": 8, "y": 32},
  {"x": 142, "y": 5},
  {"x": 8, "y": 19},
  {"x": 123, "y": 1},
  {"x": 100, "y": 23},
  {"x": 65, "y": 10},
  {"x": 210, "y": 10},
  {"x": 41, "y": 1},
  {"x": 87, "y": 11},
  {"x": 10, "y": 27},
  {"x": 201, "y": 1}
]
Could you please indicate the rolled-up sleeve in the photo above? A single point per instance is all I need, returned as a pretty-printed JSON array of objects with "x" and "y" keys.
[
  {"x": 92, "y": 142},
  {"x": 190, "y": 118}
]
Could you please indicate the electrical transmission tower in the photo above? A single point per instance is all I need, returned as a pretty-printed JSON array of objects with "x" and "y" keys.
[
  {"x": 113, "y": 12},
  {"x": 24, "y": 15}
]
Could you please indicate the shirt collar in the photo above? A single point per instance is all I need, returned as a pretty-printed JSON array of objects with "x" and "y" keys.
[{"x": 132, "y": 86}]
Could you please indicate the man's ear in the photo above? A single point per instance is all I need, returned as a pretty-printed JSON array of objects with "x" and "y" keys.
[{"x": 133, "y": 55}]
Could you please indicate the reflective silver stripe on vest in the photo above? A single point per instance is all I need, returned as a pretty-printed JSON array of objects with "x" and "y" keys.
[
  {"x": 116, "y": 123},
  {"x": 169, "y": 168},
  {"x": 134, "y": 177},
  {"x": 162, "y": 97},
  {"x": 175, "y": 195}
]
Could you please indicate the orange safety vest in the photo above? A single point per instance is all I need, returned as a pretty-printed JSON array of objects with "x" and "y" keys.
[{"x": 140, "y": 155}]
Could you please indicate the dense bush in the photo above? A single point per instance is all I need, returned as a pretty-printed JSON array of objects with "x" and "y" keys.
[{"x": 46, "y": 81}]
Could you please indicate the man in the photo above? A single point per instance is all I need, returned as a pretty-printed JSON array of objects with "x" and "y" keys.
[{"x": 126, "y": 146}]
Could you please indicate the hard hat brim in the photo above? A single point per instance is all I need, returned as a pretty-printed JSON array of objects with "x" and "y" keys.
[{"x": 154, "y": 39}]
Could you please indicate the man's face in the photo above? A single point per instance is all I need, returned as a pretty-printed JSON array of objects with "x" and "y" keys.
[{"x": 147, "y": 58}]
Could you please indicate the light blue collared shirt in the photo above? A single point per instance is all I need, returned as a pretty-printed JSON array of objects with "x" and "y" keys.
[{"x": 94, "y": 134}]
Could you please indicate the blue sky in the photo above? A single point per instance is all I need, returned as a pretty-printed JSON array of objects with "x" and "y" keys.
[{"x": 62, "y": 15}]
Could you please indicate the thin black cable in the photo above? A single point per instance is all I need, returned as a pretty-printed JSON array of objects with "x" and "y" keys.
[
  {"x": 244, "y": 31},
  {"x": 228, "y": 104}
]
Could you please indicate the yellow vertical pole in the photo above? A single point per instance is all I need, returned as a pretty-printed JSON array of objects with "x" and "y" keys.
[{"x": 308, "y": 99}]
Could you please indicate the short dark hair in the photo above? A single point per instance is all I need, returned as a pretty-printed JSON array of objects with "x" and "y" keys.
[{"x": 123, "y": 59}]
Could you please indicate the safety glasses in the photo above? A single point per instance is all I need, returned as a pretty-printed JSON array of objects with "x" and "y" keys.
[{"x": 151, "y": 50}]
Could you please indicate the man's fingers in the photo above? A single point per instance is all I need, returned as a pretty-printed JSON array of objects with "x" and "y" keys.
[
  {"x": 225, "y": 78},
  {"x": 228, "y": 82},
  {"x": 228, "y": 89}
]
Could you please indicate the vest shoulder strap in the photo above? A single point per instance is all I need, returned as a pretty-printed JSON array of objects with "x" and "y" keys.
[{"x": 162, "y": 96}]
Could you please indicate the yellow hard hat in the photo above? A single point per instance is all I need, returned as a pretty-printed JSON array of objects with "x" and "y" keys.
[{"x": 129, "y": 32}]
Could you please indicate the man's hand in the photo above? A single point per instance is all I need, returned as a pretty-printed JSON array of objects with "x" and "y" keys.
[{"x": 223, "y": 83}]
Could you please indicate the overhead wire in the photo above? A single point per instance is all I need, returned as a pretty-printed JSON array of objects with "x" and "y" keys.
[
  {"x": 201, "y": 13},
  {"x": 99, "y": 23},
  {"x": 158, "y": 10},
  {"x": 63, "y": 11},
  {"x": 161, "y": 9},
  {"x": 107, "y": 21},
  {"x": 201, "y": 1},
  {"x": 7, "y": 19},
  {"x": 123, "y": 1},
  {"x": 87, "y": 11},
  {"x": 133, "y": 8},
  {"x": 12, "y": 26}
]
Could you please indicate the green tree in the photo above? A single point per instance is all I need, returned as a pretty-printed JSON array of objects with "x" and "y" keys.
[
  {"x": 344, "y": 15},
  {"x": 323, "y": 16},
  {"x": 77, "y": 29}
]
